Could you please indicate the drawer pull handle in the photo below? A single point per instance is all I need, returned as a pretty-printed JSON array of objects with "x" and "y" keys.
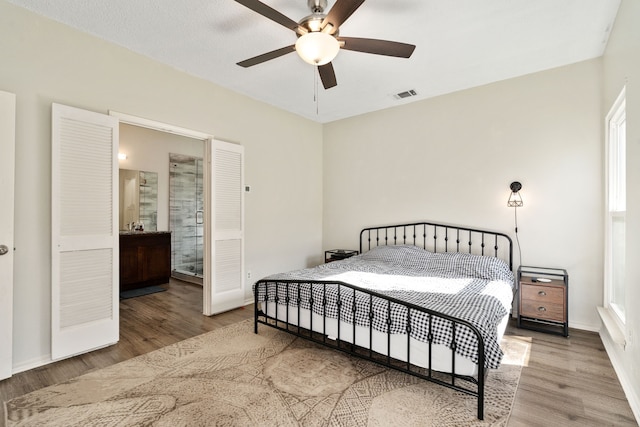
[
  {"x": 542, "y": 309},
  {"x": 542, "y": 293}
]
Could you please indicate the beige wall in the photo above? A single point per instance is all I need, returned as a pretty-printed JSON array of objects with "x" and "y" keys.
[
  {"x": 622, "y": 67},
  {"x": 451, "y": 159},
  {"x": 44, "y": 62}
]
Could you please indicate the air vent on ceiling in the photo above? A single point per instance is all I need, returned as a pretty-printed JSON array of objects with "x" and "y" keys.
[{"x": 405, "y": 94}]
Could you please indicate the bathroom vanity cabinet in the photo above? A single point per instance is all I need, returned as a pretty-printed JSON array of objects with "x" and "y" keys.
[{"x": 145, "y": 259}]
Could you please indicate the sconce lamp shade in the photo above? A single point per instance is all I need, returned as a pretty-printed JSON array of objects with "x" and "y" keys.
[
  {"x": 317, "y": 48},
  {"x": 515, "y": 199}
]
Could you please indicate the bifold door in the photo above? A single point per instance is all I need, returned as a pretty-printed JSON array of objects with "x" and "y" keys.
[
  {"x": 226, "y": 237},
  {"x": 84, "y": 238}
]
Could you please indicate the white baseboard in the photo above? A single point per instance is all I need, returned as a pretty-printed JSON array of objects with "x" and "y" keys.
[
  {"x": 627, "y": 384},
  {"x": 584, "y": 327},
  {"x": 32, "y": 364}
]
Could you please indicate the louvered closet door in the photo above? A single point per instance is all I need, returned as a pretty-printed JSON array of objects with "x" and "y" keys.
[
  {"x": 84, "y": 238},
  {"x": 227, "y": 220}
]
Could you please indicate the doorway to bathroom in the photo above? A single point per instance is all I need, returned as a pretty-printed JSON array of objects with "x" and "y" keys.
[
  {"x": 161, "y": 194},
  {"x": 223, "y": 285},
  {"x": 186, "y": 217}
]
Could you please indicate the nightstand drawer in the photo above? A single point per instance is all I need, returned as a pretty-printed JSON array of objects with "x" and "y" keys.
[
  {"x": 543, "y": 294},
  {"x": 542, "y": 310}
]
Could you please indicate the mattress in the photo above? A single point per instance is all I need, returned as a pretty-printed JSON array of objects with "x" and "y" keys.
[
  {"x": 476, "y": 289},
  {"x": 418, "y": 350}
]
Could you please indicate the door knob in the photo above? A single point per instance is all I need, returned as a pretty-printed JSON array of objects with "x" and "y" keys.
[{"x": 3, "y": 249}]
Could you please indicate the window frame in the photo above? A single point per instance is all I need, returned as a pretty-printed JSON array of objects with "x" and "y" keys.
[{"x": 615, "y": 201}]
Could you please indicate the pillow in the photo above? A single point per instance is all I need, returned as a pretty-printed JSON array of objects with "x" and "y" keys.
[
  {"x": 457, "y": 264},
  {"x": 441, "y": 264},
  {"x": 394, "y": 253}
]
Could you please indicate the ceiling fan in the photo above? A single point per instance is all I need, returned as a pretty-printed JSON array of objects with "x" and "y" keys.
[{"x": 318, "y": 40}]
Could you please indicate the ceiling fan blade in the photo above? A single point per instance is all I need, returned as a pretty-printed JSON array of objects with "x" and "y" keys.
[
  {"x": 378, "y": 47},
  {"x": 270, "y": 13},
  {"x": 267, "y": 56},
  {"x": 327, "y": 75},
  {"x": 340, "y": 12}
]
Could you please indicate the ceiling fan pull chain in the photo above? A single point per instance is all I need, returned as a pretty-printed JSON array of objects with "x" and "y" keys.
[{"x": 315, "y": 89}]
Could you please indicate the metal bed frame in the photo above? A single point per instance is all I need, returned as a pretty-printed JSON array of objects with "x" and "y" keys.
[{"x": 431, "y": 236}]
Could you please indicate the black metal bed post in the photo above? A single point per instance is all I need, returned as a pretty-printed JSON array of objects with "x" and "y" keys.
[
  {"x": 481, "y": 377},
  {"x": 311, "y": 301},
  {"x": 453, "y": 353},
  {"x": 255, "y": 308},
  {"x": 353, "y": 315},
  {"x": 371, "y": 316},
  {"x": 388, "y": 320},
  {"x": 324, "y": 311},
  {"x": 424, "y": 236},
  {"x": 408, "y": 329},
  {"x": 339, "y": 305}
]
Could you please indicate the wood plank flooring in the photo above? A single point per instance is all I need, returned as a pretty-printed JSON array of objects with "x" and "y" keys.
[{"x": 566, "y": 381}]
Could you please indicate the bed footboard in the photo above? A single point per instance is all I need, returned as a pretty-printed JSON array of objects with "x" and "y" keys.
[{"x": 348, "y": 318}]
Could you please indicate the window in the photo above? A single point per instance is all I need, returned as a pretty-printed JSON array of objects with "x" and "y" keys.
[{"x": 616, "y": 209}]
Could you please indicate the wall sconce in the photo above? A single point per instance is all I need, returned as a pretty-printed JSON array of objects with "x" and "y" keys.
[
  {"x": 122, "y": 156},
  {"x": 515, "y": 199}
]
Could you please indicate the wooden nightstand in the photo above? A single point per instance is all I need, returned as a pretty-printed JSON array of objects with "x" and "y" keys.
[
  {"x": 543, "y": 299},
  {"x": 338, "y": 254}
]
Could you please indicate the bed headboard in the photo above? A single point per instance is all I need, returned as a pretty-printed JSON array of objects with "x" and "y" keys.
[{"x": 440, "y": 238}]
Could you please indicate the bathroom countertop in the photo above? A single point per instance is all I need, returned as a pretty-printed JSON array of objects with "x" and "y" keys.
[{"x": 127, "y": 232}]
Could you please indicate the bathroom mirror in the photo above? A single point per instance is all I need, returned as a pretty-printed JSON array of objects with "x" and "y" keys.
[{"x": 138, "y": 199}]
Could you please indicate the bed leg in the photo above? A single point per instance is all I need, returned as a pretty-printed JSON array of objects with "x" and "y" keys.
[{"x": 482, "y": 376}]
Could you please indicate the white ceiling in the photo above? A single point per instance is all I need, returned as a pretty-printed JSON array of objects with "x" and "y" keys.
[{"x": 460, "y": 44}]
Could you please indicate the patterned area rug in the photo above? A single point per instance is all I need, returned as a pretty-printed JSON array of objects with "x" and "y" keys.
[{"x": 232, "y": 377}]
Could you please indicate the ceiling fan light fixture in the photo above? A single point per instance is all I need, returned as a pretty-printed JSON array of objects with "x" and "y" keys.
[{"x": 317, "y": 48}]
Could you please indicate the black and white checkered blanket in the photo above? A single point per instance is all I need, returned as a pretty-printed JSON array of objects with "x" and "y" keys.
[{"x": 478, "y": 289}]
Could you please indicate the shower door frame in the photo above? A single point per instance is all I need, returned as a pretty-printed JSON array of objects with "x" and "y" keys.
[{"x": 208, "y": 306}]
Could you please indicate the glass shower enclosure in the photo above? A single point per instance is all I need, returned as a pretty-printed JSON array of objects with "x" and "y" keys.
[{"x": 186, "y": 217}]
